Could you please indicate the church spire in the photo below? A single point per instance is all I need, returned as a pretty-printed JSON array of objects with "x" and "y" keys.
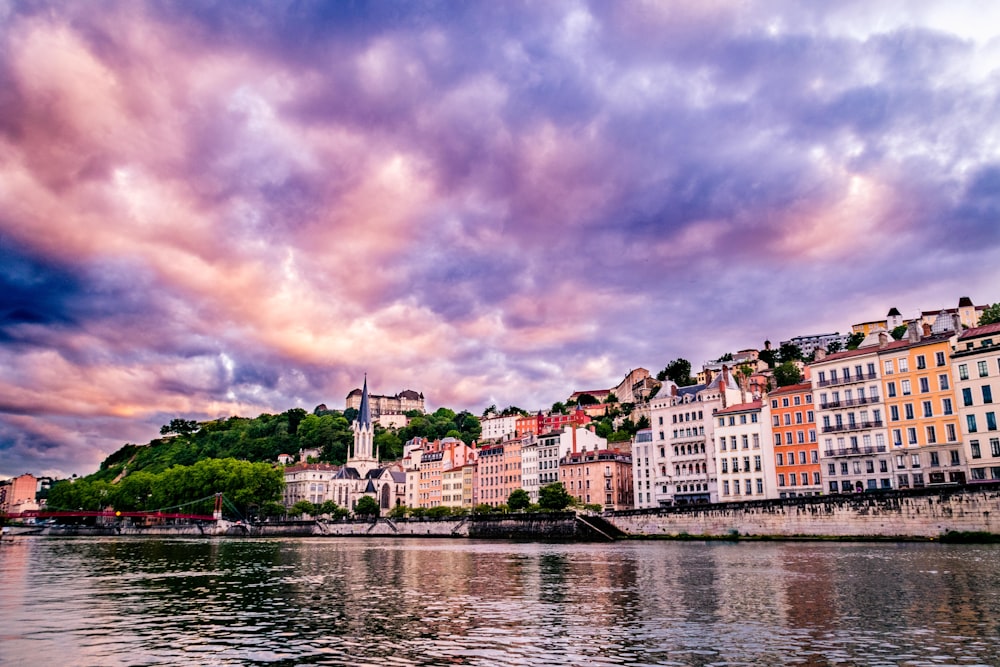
[{"x": 364, "y": 412}]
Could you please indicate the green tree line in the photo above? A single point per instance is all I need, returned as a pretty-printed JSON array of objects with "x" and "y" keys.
[{"x": 247, "y": 486}]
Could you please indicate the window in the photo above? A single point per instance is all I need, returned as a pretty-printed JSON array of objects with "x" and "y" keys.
[
  {"x": 802, "y": 458},
  {"x": 983, "y": 371},
  {"x": 974, "y": 446},
  {"x": 779, "y": 459},
  {"x": 793, "y": 479},
  {"x": 831, "y": 468},
  {"x": 894, "y": 413},
  {"x": 887, "y": 367},
  {"x": 955, "y": 460},
  {"x": 756, "y": 463},
  {"x": 822, "y": 376},
  {"x": 967, "y": 396},
  {"x": 890, "y": 389},
  {"x": 760, "y": 486},
  {"x": 908, "y": 410},
  {"x": 987, "y": 394},
  {"x": 928, "y": 411},
  {"x": 911, "y": 435},
  {"x": 925, "y": 385},
  {"x": 970, "y": 422},
  {"x": 963, "y": 371},
  {"x": 725, "y": 488},
  {"x": 797, "y": 400},
  {"x": 991, "y": 421},
  {"x": 921, "y": 362},
  {"x": 946, "y": 406},
  {"x": 781, "y": 479},
  {"x": 943, "y": 383},
  {"x": 784, "y": 402},
  {"x": 904, "y": 386},
  {"x": 939, "y": 358},
  {"x": 931, "y": 435},
  {"x": 994, "y": 446},
  {"x": 904, "y": 365},
  {"x": 949, "y": 432}
]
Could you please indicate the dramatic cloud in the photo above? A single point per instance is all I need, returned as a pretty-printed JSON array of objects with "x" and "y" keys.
[{"x": 210, "y": 209}]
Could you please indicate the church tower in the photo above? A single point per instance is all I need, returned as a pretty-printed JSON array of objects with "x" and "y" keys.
[{"x": 363, "y": 456}]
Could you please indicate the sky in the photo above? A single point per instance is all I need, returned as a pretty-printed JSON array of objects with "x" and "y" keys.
[{"x": 215, "y": 208}]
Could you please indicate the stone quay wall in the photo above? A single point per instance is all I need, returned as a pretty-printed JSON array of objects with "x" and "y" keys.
[
  {"x": 918, "y": 514},
  {"x": 554, "y": 525}
]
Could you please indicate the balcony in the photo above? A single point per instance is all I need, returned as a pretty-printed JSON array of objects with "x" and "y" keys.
[
  {"x": 847, "y": 380},
  {"x": 854, "y": 451},
  {"x": 852, "y": 426},
  {"x": 850, "y": 403}
]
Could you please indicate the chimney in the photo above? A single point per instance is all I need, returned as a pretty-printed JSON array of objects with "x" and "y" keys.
[
  {"x": 574, "y": 439},
  {"x": 673, "y": 390},
  {"x": 708, "y": 376},
  {"x": 956, "y": 321},
  {"x": 883, "y": 339},
  {"x": 820, "y": 354},
  {"x": 913, "y": 331},
  {"x": 724, "y": 385},
  {"x": 927, "y": 330}
]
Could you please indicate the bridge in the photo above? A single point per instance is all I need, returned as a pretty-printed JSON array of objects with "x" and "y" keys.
[{"x": 148, "y": 516}]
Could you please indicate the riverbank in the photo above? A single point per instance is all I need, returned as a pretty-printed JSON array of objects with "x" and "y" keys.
[{"x": 950, "y": 514}]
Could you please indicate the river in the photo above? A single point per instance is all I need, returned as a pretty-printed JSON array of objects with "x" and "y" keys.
[{"x": 334, "y": 601}]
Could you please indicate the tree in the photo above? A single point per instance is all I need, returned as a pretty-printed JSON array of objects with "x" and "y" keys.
[
  {"x": 438, "y": 512},
  {"x": 518, "y": 500},
  {"x": 790, "y": 352},
  {"x": 898, "y": 332},
  {"x": 482, "y": 508},
  {"x": 768, "y": 356},
  {"x": 558, "y": 408},
  {"x": 492, "y": 410},
  {"x": 272, "y": 509},
  {"x": 677, "y": 371},
  {"x": 833, "y": 346},
  {"x": 554, "y": 497},
  {"x": 398, "y": 512},
  {"x": 587, "y": 399},
  {"x": 611, "y": 398},
  {"x": 787, "y": 374},
  {"x": 180, "y": 427},
  {"x": 854, "y": 340},
  {"x": 302, "y": 507},
  {"x": 990, "y": 315},
  {"x": 366, "y": 506},
  {"x": 332, "y": 509}
]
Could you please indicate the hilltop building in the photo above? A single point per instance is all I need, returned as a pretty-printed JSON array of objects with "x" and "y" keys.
[{"x": 399, "y": 404}]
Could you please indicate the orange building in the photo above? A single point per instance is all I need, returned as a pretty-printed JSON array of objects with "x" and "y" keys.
[
  {"x": 499, "y": 471},
  {"x": 796, "y": 448},
  {"x": 21, "y": 494},
  {"x": 921, "y": 416},
  {"x": 602, "y": 477}
]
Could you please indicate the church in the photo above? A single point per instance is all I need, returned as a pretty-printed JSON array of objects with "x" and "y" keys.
[{"x": 363, "y": 474}]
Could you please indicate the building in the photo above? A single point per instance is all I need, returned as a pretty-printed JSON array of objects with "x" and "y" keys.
[
  {"x": 434, "y": 468},
  {"x": 635, "y": 387},
  {"x": 308, "y": 481},
  {"x": 847, "y": 399},
  {"x": 642, "y": 470},
  {"x": 499, "y": 470},
  {"x": 600, "y": 477},
  {"x": 399, "y": 404},
  {"x": 683, "y": 447},
  {"x": 495, "y": 429},
  {"x": 975, "y": 363},
  {"x": 529, "y": 467},
  {"x": 967, "y": 314},
  {"x": 363, "y": 474},
  {"x": 21, "y": 494},
  {"x": 743, "y": 457},
  {"x": 794, "y": 446},
  {"x": 924, "y": 436},
  {"x": 808, "y": 344}
]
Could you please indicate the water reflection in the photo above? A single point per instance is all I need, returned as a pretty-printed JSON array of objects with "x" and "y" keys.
[{"x": 114, "y": 601}]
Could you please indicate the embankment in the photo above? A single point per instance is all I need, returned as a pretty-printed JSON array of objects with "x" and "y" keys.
[{"x": 918, "y": 514}]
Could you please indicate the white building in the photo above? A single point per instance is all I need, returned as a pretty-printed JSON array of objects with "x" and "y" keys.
[
  {"x": 683, "y": 446},
  {"x": 642, "y": 469},
  {"x": 744, "y": 456},
  {"x": 498, "y": 429},
  {"x": 529, "y": 467},
  {"x": 976, "y": 369}
]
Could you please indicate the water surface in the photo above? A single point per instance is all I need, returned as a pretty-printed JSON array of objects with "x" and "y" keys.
[{"x": 333, "y": 601}]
